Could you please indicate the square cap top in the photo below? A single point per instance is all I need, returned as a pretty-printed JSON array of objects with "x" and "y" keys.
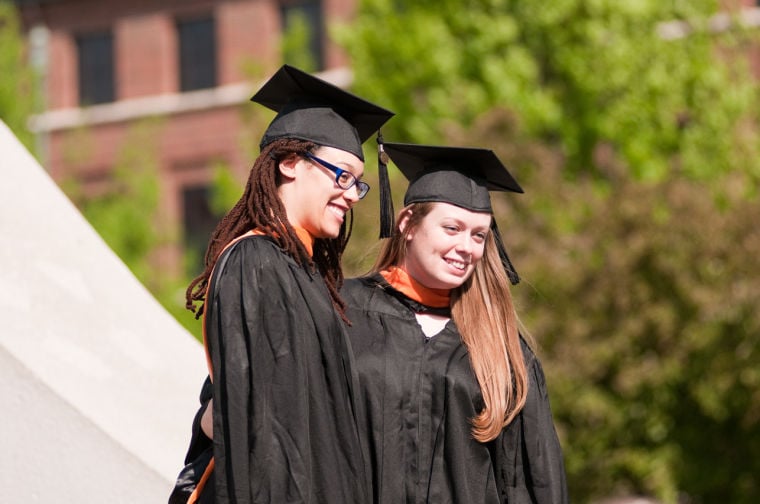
[
  {"x": 461, "y": 176},
  {"x": 309, "y": 108}
]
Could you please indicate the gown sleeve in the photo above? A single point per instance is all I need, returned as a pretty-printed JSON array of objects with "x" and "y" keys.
[
  {"x": 199, "y": 441},
  {"x": 249, "y": 302},
  {"x": 227, "y": 340},
  {"x": 198, "y": 455},
  {"x": 528, "y": 459}
]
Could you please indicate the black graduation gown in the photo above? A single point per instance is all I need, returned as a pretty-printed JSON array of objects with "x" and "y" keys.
[
  {"x": 284, "y": 416},
  {"x": 418, "y": 396}
]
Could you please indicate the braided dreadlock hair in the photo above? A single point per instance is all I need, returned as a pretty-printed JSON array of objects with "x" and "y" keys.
[{"x": 261, "y": 208}]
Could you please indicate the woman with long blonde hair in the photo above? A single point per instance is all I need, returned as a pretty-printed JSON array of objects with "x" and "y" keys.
[{"x": 454, "y": 399}]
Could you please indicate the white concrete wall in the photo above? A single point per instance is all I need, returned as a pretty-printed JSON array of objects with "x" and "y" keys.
[{"x": 90, "y": 363}]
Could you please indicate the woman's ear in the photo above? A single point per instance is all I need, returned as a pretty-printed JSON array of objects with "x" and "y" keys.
[
  {"x": 403, "y": 221},
  {"x": 287, "y": 166}
]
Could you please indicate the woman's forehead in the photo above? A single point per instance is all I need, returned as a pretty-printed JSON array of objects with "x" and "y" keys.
[{"x": 442, "y": 210}]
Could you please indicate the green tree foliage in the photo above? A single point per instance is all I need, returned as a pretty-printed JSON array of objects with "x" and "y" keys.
[
  {"x": 643, "y": 298},
  {"x": 16, "y": 77},
  {"x": 577, "y": 73},
  {"x": 636, "y": 238},
  {"x": 226, "y": 189},
  {"x": 125, "y": 212}
]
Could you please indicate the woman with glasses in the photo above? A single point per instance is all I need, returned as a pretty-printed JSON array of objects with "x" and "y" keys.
[
  {"x": 343, "y": 178},
  {"x": 457, "y": 409},
  {"x": 282, "y": 423}
]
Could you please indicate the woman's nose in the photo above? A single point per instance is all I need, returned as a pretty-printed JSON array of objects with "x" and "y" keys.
[
  {"x": 465, "y": 244},
  {"x": 351, "y": 194}
]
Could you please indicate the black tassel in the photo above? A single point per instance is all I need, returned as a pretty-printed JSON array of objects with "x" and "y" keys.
[
  {"x": 514, "y": 278},
  {"x": 387, "y": 217}
]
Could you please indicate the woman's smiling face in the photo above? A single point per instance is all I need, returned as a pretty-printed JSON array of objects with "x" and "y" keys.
[
  {"x": 442, "y": 251},
  {"x": 312, "y": 198}
]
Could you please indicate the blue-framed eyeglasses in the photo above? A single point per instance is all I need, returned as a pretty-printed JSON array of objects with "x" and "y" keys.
[{"x": 344, "y": 178}]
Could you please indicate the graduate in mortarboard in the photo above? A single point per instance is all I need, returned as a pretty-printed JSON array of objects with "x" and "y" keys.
[
  {"x": 455, "y": 406},
  {"x": 284, "y": 426}
]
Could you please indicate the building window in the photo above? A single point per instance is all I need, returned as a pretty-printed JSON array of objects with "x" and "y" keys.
[
  {"x": 197, "y": 54},
  {"x": 302, "y": 26},
  {"x": 198, "y": 222},
  {"x": 96, "y": 79}
]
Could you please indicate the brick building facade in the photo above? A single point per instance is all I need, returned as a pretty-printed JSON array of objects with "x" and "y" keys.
[{"x": 193, "y": 64}]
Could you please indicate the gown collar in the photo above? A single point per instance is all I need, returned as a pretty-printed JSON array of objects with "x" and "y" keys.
[
  {"x": 401, "y": 281},
  {"x": 304, "y": 236}
]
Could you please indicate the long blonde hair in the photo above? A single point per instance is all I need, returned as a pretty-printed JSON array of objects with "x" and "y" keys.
[{"x": 493, "y": 342}]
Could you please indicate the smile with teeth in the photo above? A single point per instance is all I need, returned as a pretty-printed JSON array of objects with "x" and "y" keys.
[
  {"x": 460, "y": 265},
  {"x": 338, "y": 211}
]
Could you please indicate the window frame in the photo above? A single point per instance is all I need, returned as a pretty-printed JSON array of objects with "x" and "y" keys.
[
  {"x": 96, "y": 67},
  {"x": 193, "y": 72},
  {"x": 314, "y": 13}
]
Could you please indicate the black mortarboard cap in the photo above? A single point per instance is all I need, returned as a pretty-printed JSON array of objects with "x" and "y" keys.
[
  {"x": 461, "y": 176},
  {"x": 309, "y": 108}
]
